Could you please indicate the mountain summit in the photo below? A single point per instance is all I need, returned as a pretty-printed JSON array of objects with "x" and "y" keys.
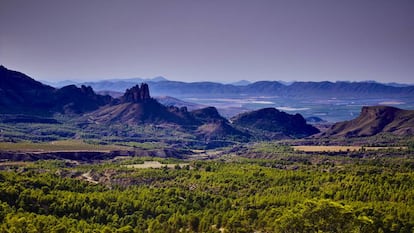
[{"x": 136, "y": 94}]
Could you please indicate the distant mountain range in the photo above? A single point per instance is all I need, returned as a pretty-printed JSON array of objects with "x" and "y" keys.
[
  {"x": 120, "y": 84},
  {"x": 29, "y": 99},
  {"x": 21, "y": 94},
  {"x": 171, "y": 101},
  {"x": 273, "y": 88},
  {"x": 269, "y": 88},
  {"x": 163, "y": 87},
  {"x": 241, "y": 83},
  {"x": 137, "y": 107}
]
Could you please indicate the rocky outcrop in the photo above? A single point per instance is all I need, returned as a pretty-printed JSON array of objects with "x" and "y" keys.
[
  {"x": 374, "y": 120},
  {"x": 137, "y": 107},
  {"x": 136, "y": 94}
]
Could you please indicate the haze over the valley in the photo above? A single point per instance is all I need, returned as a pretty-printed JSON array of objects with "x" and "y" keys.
[{"x": 221, "y": 41}]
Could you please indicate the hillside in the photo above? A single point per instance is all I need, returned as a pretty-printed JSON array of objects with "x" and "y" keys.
[
  {"x": 274, "y": 124},
  {"x": 136, "y": 107},
  {"x": 215, "y": 127},
  {"x": 22, "y": 99},
  {"x": 374, "y": 120},
  {"x": 21, "y": 94},
  {"x": 72, "y": 99}
]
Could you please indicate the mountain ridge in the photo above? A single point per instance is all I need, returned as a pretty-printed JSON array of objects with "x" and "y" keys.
[
  {"x": 295, "y": 89},
  {"x": 374, "y": 120},
  {"x": 137, "y": 107},
  {"x": 20, "y": 93}
]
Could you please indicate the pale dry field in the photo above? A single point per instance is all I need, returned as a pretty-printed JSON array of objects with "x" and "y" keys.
[
  {"x": 339, "y": 148},
  {"x": 155, "y": 164},
  {"x": 57, "y": 146}
]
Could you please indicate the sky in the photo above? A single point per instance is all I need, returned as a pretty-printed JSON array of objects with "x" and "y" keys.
[{"x": 209, "y": 40}]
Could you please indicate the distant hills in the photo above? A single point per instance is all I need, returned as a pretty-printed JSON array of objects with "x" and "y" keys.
[
  {"x": 374, "y": 120},
  {"x": 163, "y": 87},
  {"x": 160, "y": 86},
  {"x": 136, "y": 106},
  {"x": 29, "y": 100},
  {"x": 241, "y": 83},
  {"x": 120, "y": 84},
  {"x": 273, "y": 88},
  {"x": 21, "y": 94},
  {"x": 171, "y": 101},
  {"x": 274, "y": 124}
]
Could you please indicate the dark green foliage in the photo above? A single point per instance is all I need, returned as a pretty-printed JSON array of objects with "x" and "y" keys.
[{"x": 244, "y": 195}]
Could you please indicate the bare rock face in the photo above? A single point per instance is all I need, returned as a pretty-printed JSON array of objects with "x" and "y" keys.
[{"x": 136, "y": 94}]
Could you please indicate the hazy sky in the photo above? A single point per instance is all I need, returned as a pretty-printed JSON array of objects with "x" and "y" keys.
[{"x": 210, "y": 40}]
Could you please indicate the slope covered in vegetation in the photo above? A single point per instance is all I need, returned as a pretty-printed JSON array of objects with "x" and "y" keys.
[{"x": 290, "y": 192}]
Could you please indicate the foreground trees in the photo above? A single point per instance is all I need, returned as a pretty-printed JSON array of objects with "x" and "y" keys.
[{"x": 356, "y": 195}]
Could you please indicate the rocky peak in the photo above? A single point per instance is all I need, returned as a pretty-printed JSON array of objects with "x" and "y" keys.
[
  {"x": 137, "y": 94},
  {"x": 87, "y": 90},
  {"x": 378, "y": 111}
]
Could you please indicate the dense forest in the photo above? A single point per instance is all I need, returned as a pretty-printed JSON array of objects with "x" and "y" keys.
[{"x": 287, "y": 193}]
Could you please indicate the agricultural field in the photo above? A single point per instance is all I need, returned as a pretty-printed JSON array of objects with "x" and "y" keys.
[
  {"x": 58, "y": 178},
  {"x": 56, "y": 146},
  {"x": 343, "y": 148},
  {"x": 156, "y": 164}
]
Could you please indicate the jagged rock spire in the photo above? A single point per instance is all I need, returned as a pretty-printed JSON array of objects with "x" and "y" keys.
[
  {"x": 137, "y": 93},
  {"x": 145, "y": 91}
]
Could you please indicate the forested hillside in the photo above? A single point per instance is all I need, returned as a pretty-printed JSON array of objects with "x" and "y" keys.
[{"x": 291, "y": 192}]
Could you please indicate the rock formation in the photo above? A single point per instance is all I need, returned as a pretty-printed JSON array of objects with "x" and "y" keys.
[{"x": 136, "y": 94}]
